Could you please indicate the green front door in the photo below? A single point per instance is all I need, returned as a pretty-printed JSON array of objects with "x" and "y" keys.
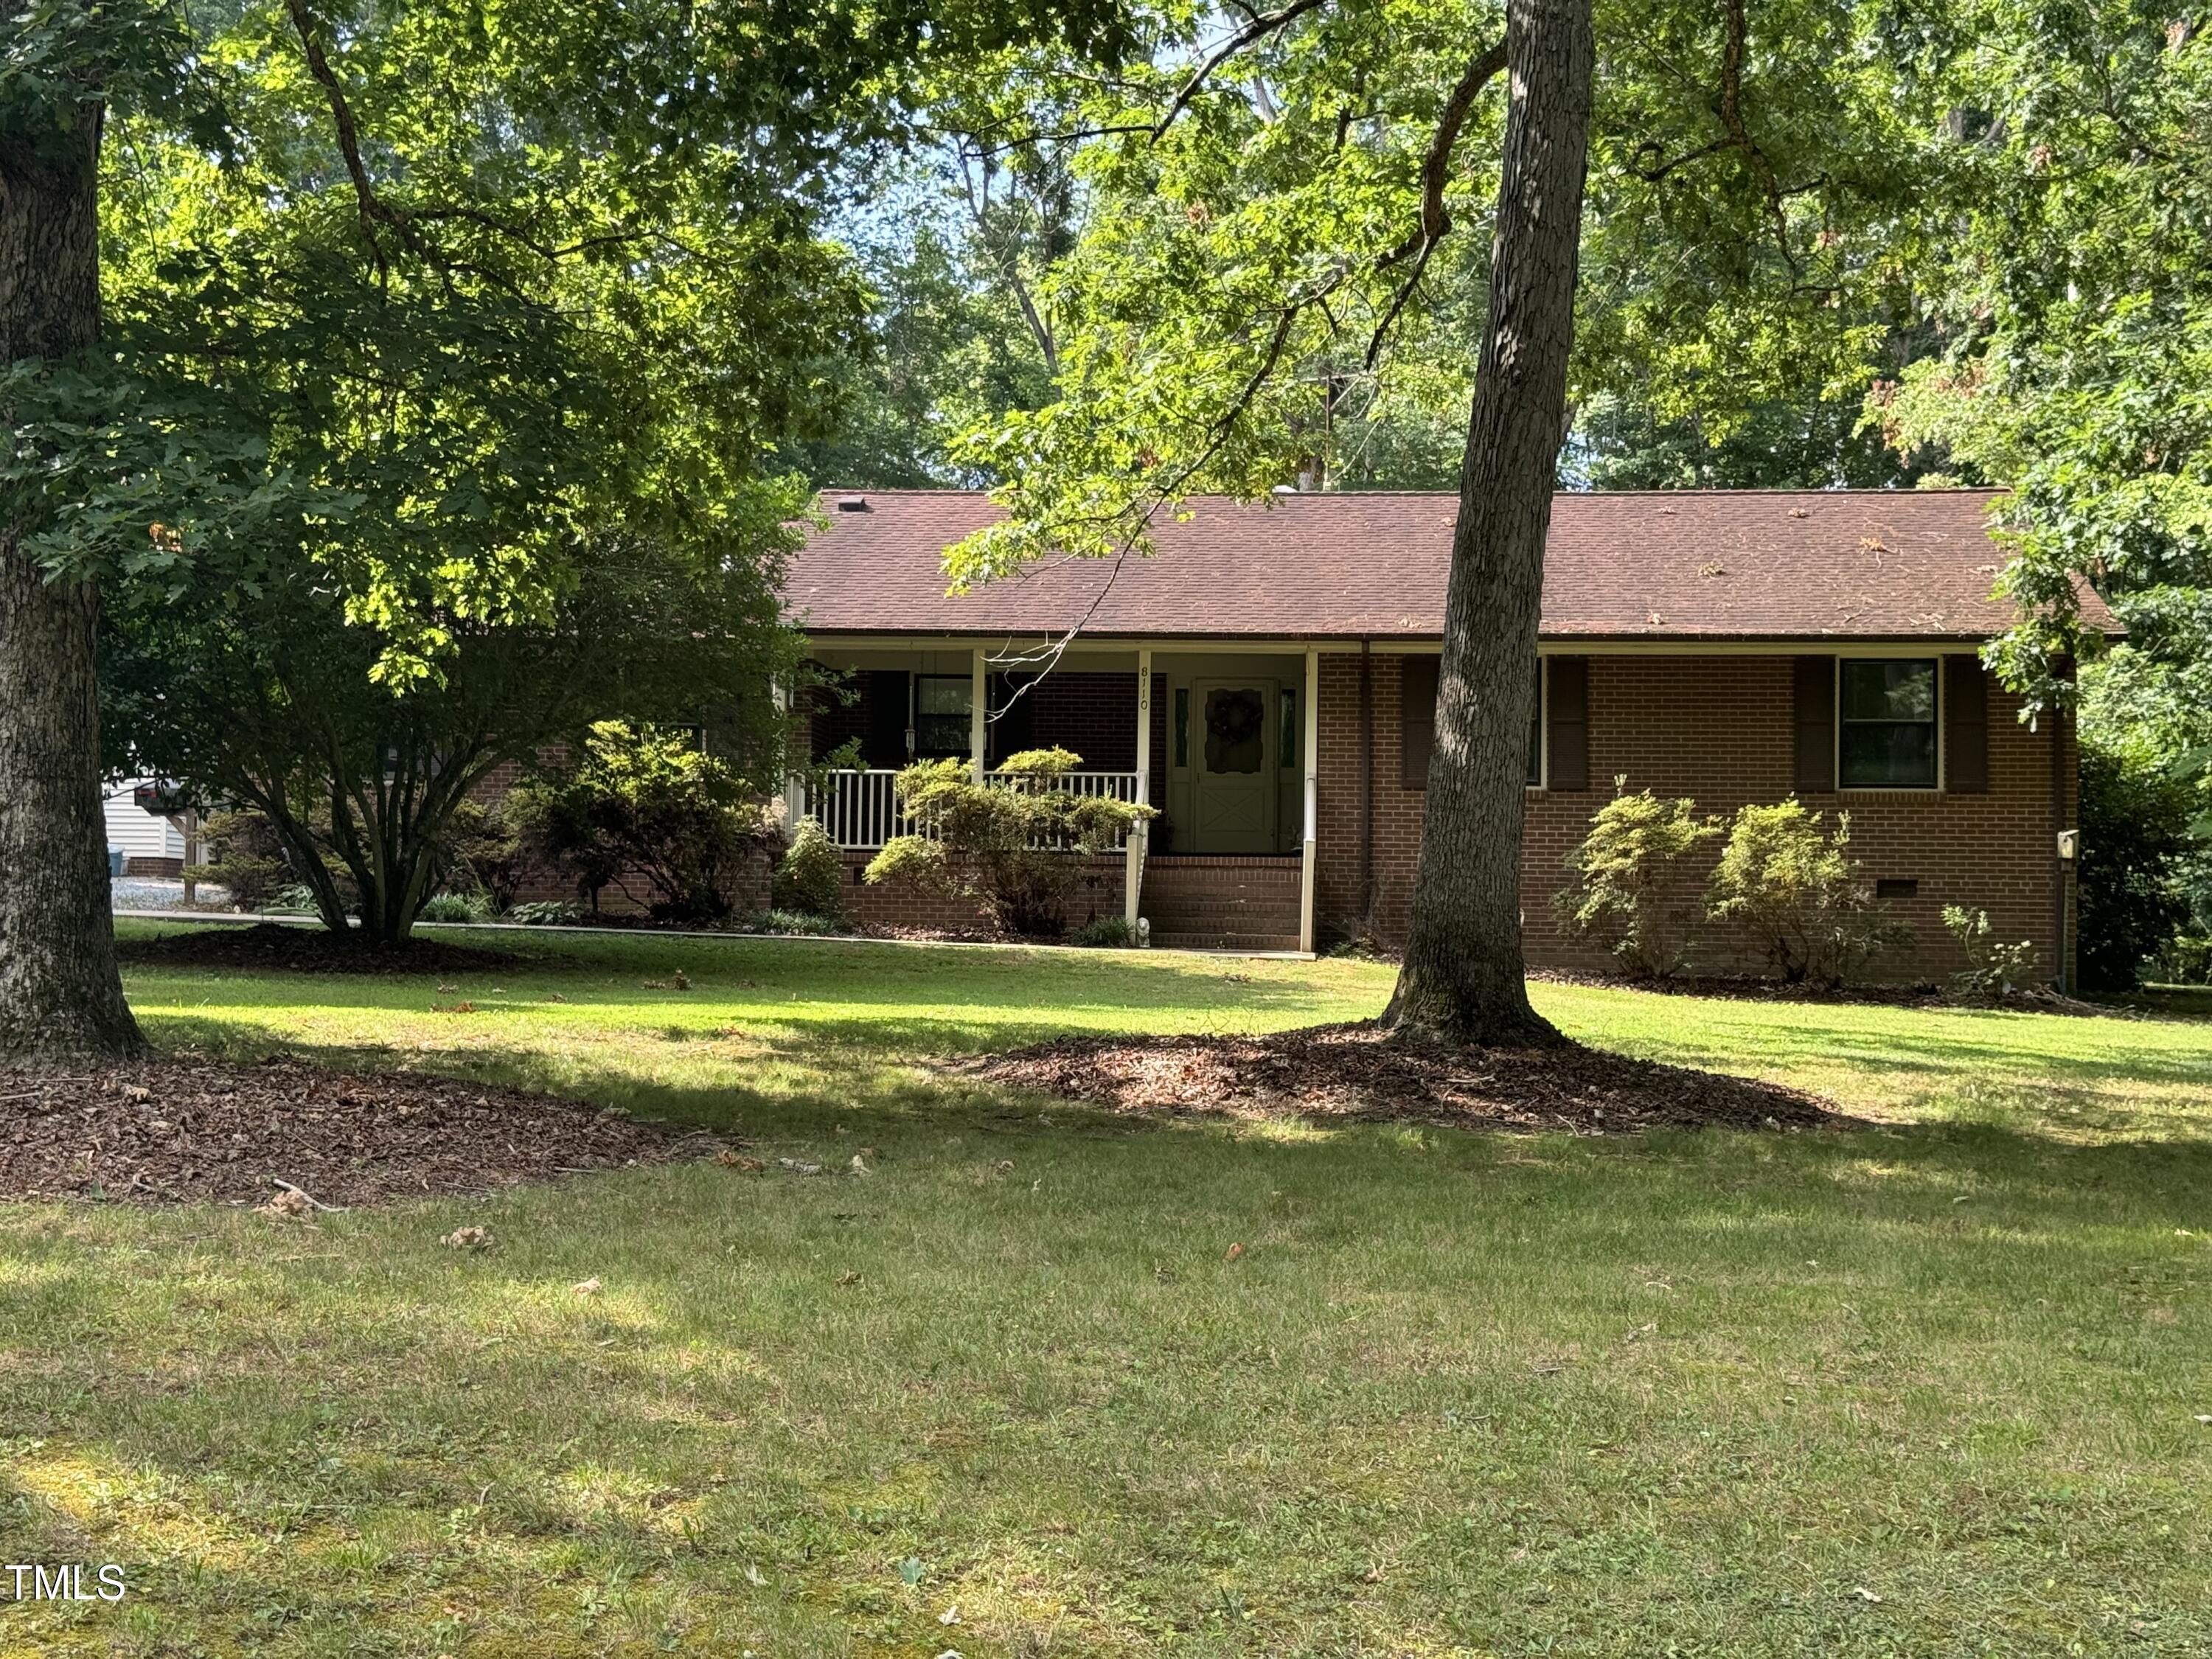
[{"x": 1235, "y": 787}]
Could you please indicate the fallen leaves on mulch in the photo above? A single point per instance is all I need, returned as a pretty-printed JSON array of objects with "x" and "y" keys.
[
  {"x": 302, "y": 950},
  {"x": 184, "y": 1129},
  {"x": 1351, "y": 1072}
]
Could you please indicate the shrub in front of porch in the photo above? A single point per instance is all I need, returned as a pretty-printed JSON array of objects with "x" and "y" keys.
[
  {"x": 1014, "y": 847},
  {"x": 646, "y": 803},
  {"x": 810, "y": 880}
]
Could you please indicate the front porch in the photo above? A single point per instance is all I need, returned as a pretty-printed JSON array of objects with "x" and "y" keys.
[{"x": 1219, "y": 741}]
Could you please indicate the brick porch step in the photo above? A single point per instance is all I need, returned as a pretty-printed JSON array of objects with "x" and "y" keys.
[
  {"x": 1216, "y": 903},
  {"x": 1223, "y": 941}
]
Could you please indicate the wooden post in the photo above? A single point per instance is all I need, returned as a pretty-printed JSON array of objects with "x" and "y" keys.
[
  {"x": 1311, "y": 729},
  {"x": 190, "y": 827},
  {"x": 1133, "y": 880},
  {"x": 978, "y": 689}
]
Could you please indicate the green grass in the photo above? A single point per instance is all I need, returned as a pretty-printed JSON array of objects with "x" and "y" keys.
[{"x": 1458, "y": 1394}]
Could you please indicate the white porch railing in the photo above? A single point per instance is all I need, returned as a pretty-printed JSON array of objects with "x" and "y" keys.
[{"x": 860, "y": 810}]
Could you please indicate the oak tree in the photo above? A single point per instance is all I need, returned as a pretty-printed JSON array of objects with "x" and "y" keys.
[
  {"x": 373, "y": 269},
  {"x": 1305, "y": 221}
]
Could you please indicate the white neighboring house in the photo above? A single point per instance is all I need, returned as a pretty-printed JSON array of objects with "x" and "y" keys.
[{"x": 137, "y": 833}]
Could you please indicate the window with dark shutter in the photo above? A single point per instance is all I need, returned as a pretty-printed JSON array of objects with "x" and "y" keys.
[
  {"x": 1885, "y": 737},
  {"x": 1569, "y": 700},
  {"x": 1965, "y": 726},
  {"x": 1417, "y": 720},
  {"x": 1815, "y": 700}
]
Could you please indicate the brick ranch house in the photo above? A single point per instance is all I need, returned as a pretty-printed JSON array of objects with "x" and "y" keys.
[{"x": 1268, "y": 680}]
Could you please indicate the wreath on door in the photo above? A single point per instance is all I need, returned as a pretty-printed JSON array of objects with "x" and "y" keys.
[{"x": 1233, "y": 720}]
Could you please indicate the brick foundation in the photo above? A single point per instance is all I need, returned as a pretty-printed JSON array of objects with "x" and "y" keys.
[{"x": 1716, "y": 729}]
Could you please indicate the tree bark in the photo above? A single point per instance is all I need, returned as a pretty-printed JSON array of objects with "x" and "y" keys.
[
  {"x": 60, "y": 992},
  {"x": 1464, "y": 975}
]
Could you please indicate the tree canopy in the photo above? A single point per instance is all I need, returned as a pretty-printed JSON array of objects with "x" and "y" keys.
[
  {"x": 2075, "y": 304},
  {"x": 422, "y": 302}
]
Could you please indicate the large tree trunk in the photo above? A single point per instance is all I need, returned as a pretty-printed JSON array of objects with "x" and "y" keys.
[
  {"x": 1463, "y": 977},
  {"x": 59, "y": 991}
]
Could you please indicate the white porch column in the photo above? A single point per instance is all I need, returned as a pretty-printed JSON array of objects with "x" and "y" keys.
[
  {"x": 794, "y": 786},
  {"x": 1309, "y": 725},
  {"x": 1133, "y": 880},
  {"x": 978, "y": 687}
]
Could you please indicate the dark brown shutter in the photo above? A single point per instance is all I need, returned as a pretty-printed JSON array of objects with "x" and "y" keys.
[
  {"x": 1015, "y": 728},
  {"x": 883, "y": 712},
  {"x": 1569, "y": 717},
  {"x": 1816, "y": 726},
  {"x": 1417, "y": 719},
  {"x": 1965, "y": 726}
]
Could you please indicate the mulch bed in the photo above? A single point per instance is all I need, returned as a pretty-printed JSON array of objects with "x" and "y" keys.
[
  {"x": 207, "y": 1130},
  {"x": 302, "y": 950},
  {"x": 1353, "y": 1073}
]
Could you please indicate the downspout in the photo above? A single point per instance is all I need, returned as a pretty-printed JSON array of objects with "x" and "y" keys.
[
  {"x": 1138, "y": 842},
  {"x": 2062, "y": 978},
  {"x": 1367, "y": 785},
  {"x": 979, "y": 683},
  {"x": 1312, "y": 734}
]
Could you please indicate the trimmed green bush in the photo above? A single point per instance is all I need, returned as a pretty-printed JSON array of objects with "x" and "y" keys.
[
  {"x": 1630, "y": 893},
  {"x": 1795, "y": 894},
  {"x": 646, "y": 803},
  {"x": 1014, "y": 848},
  {"x": 810, "y": 880}
]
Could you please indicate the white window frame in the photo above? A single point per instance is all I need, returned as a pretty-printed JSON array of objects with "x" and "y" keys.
[
  {"x": 915, "y": 713},
  {"x": 1884, "y": 653}
]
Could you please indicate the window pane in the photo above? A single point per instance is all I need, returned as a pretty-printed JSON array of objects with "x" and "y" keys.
[
  {"x": 1235, "y": 731},
  {"x": 1889, "y": 690},
  {"x": 943, "y": 694},
  {"x": 1887, "y": 736},
  {"x": 941, "y": 703},
  {"x": 1889, "y": 753}
]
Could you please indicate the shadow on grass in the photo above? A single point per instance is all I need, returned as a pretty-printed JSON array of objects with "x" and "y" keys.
[
  {"x": 873, "y": 1080},
  {"x": 860, "y": 972},
  {"x": 731, "y": 1397},
  {"x": 1938, "y": 1053},
  {"x": 2182, "y": 1002}
]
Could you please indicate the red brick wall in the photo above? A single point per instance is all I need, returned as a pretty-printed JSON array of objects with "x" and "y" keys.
[
  {"x": 900, "y": 904},
  {"x": 1718, "y": 730}
]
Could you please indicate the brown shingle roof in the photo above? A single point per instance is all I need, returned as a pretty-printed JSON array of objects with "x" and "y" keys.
[{"x": 1721, "y": 564}]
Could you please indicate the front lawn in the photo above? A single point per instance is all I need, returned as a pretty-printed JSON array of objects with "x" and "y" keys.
[{"x": 1930, "y": 1388}]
